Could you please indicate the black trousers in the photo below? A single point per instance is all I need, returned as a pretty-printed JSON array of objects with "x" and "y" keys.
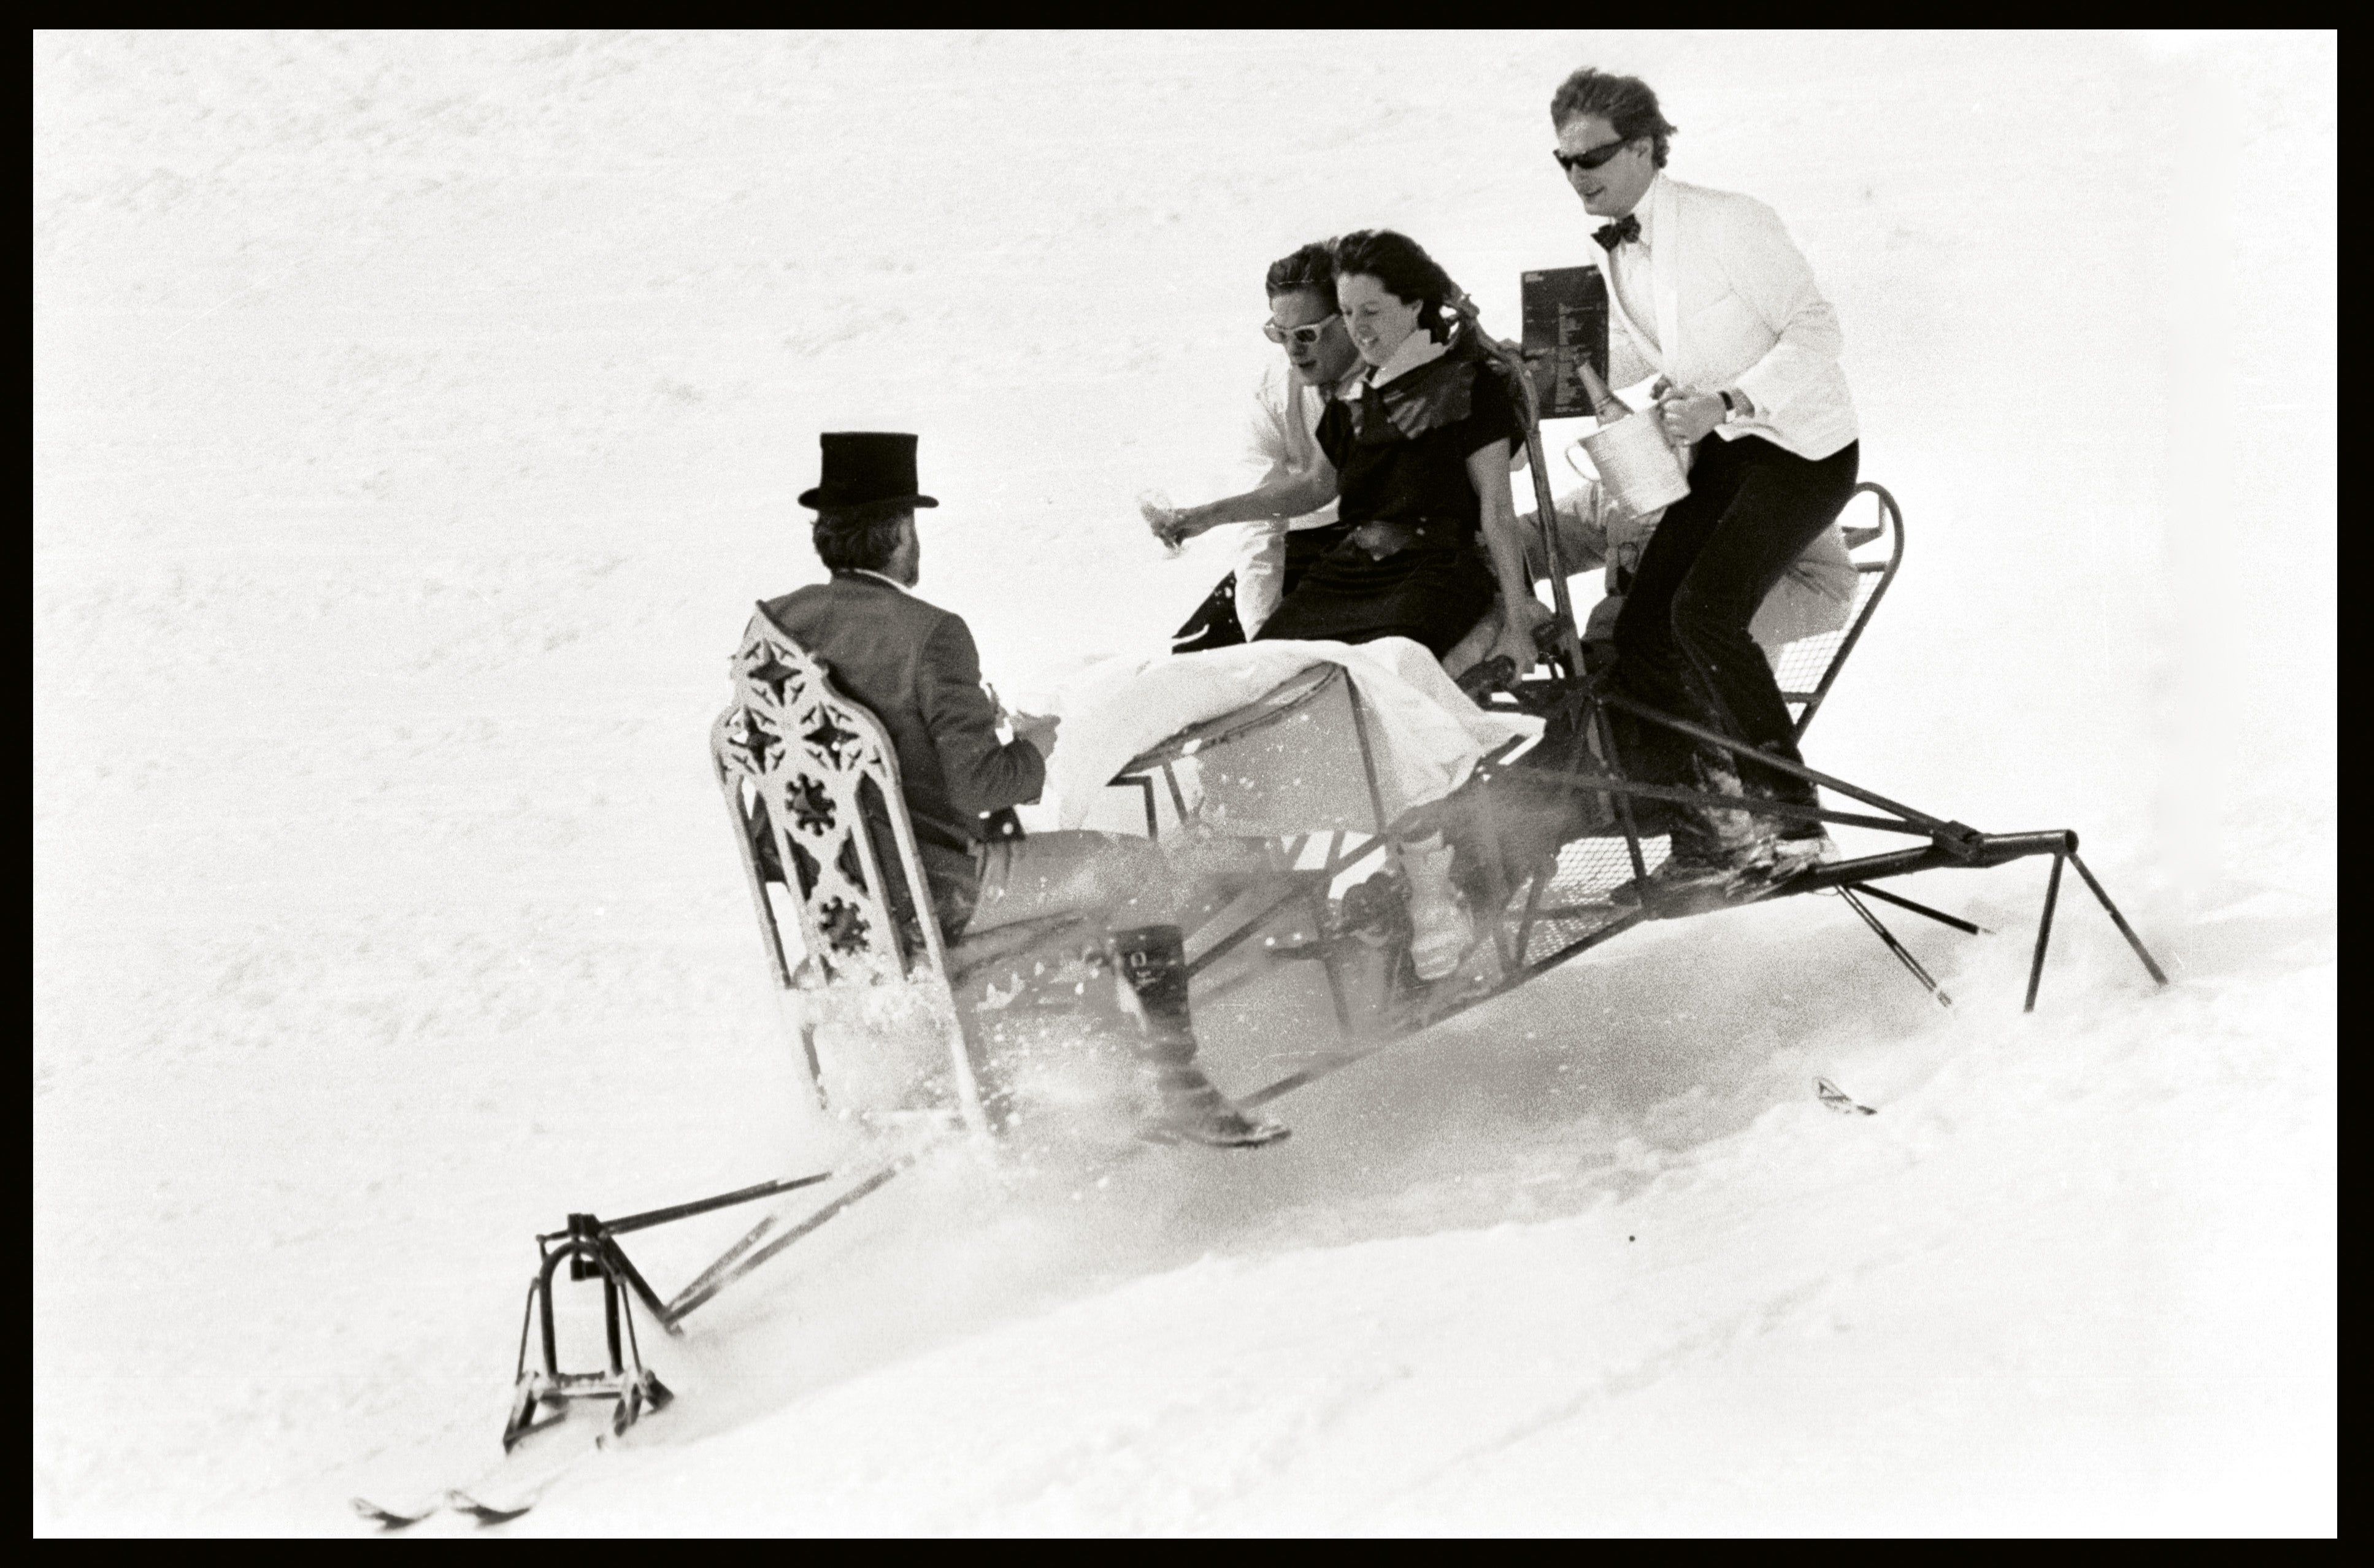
[{"x": 1681, "y": 640}]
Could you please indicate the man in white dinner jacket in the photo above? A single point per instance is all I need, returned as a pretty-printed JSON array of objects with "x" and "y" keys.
[{"x": 1709, "y": 295}]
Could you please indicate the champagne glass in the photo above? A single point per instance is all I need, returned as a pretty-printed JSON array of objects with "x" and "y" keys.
[{"x": 1155, "y": 506}]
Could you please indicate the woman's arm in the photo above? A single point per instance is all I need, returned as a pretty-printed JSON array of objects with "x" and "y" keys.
[{"x": 1487, "y": 470}]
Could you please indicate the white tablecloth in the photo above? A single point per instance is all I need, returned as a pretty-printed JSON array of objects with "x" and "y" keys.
[{"x": 1427, "y": 735}]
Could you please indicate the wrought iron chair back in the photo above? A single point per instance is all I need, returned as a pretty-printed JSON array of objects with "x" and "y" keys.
[
  {"x": 1807, "y": 668},
  {"x": 804, "y": 770}
]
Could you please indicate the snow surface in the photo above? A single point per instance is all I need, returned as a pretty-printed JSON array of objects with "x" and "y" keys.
[{"x": 416, "y": 418}]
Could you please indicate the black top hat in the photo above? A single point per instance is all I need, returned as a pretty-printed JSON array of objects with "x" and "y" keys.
[{"x": 863, "y": 467}]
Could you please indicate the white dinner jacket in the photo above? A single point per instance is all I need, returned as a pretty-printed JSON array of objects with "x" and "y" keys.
[{"x": 1736, "y": 307}]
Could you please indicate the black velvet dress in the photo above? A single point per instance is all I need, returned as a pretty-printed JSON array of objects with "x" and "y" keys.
[{"x": 1401, "y": 464}]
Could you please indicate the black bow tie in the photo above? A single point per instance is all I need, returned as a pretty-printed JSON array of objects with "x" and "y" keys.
[{"x": 1613, "y": 234}]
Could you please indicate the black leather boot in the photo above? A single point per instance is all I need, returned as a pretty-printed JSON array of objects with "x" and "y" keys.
[{"x": 1153, "y": 960}]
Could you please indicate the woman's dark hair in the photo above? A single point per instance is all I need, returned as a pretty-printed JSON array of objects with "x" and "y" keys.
[
  {"x": 1626, "y": 103},
  {"x": 1402, "y": 265},
  {"x": 860, "y": 538},
  {"x": 1311, "y": 267}
]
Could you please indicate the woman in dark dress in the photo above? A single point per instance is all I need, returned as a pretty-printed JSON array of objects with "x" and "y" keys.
[
  {"x": 1417, "y": 464},
  {"x": 1417, "y": 460}
]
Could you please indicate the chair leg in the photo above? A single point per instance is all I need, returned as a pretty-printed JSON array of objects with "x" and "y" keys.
[
  {"x": 1153, "y": 823},
  {"x": 1623, "y": 802},
  {"x": 1329, "y": 962},
  {"x": 2043, "y": 935},
  {"x": 1534, "y": 890},
  {"x": 1496, "y": 874},
  {"x": 1968, "y": 929},
  {"x": 1903, "y": 954},
  {"x": 2150, "y": 965}
]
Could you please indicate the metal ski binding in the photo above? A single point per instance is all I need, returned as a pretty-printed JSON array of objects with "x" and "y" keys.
[{"x": 587, "y": 1247}]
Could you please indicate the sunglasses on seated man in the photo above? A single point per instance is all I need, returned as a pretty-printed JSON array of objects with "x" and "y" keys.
[
  {"x": 1305, "y": 336},
  {"x": 1570, "y": 161}
]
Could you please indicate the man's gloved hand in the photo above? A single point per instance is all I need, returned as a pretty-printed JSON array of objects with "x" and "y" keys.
[{"x": 1039, "y": 729}]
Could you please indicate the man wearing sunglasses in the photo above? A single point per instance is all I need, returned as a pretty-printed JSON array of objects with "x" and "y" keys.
[
  {"x": 1320, "y": 357},
  {"x": 1709, "y": 297}
]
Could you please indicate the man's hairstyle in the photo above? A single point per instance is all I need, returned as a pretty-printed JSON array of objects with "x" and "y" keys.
[
  {"x": 860, "y": 538},
  {"x": 1402, "y": 265},
  {"x": 1311, "y": 267},
  {"x": 1626, "y": 103}
]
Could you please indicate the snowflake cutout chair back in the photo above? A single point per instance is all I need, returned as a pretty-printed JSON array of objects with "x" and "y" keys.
[{"x": 807, "y": 769}]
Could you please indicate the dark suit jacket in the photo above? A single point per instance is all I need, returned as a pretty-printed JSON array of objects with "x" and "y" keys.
[{"x": 914, "y": 667}]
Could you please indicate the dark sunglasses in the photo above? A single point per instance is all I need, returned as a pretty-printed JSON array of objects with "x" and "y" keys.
[{"x": 1570, "y": 161}]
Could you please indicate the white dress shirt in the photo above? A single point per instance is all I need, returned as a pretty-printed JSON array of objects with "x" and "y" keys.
[
  {"x": 1285, "y": 430},
  {"x": 1629, "y": 278},
  {"x": 1286, "y": 410}
]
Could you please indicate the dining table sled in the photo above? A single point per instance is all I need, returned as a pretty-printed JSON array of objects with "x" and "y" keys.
[{"x": 926, "y": 1044}]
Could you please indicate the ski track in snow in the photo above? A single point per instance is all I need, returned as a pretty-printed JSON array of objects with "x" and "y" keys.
[{"x": 414, "y": 420}]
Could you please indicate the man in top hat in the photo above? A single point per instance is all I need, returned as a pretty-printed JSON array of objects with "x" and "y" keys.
[{"x": 913, "y": 666}]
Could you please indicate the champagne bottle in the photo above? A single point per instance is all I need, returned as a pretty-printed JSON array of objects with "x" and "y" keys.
[
  {"x": 1634, "y": 458},
  {"x": 1604, "y": 403}
]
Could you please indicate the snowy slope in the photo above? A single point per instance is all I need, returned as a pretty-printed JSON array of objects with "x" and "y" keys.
[{"x": 414, "y": 420}]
